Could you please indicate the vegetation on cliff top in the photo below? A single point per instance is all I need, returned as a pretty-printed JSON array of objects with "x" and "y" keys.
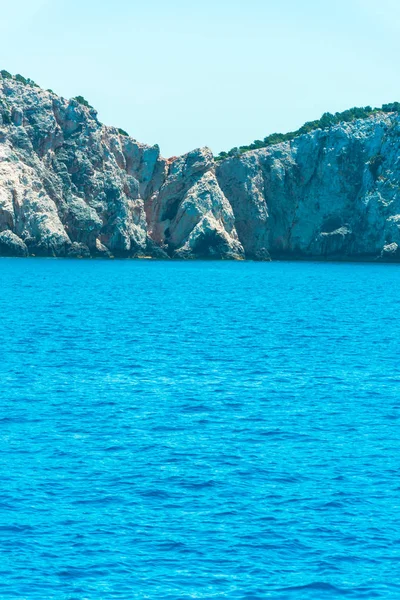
[
  {"x": 5, "y": 113},
  {"x": 325, "y": 122},
  {"x": 123, "y": 132},
  {"x": 81, "y": 100},
  {"x": 26, "y": 81}
]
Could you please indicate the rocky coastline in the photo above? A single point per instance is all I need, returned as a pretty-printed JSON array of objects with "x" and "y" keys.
[{"x": 73, "y": 187}]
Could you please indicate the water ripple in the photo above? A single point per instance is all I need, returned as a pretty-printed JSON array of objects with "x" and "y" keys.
[{"x": 199, "y": 430}]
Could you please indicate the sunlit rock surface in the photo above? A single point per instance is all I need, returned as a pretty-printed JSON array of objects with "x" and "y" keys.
[
  {"x": 328, "y": 194},
  {"x": 71, "y": 186}
]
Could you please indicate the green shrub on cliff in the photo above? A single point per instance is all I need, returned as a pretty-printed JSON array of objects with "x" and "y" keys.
[
  {"x": 82, "y": 101},
  {"x": 393, "y": 107},
  {"x": 325, "y": 122},
  {"x": 21, "y": 79},
  {"x": 234, "y": 152},
  {"x": 32, "y": 83}
]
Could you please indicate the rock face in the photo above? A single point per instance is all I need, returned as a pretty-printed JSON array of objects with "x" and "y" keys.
[
  {"x": 70, "y": 186},
  {"x": 12, "y": 245},
  {"x": 328, "y": 194}
]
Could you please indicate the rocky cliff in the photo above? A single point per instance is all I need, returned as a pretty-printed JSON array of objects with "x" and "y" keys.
[{"x": 71, "y": 186}]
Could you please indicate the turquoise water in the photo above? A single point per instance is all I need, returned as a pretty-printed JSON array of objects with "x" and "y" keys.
[{"x": 174, "y": 430}]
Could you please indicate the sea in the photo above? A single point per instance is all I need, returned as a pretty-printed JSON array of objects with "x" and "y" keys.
[{"x": 198, "y": 430}]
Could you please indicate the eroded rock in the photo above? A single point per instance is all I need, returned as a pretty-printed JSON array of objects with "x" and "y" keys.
[
  {"x": 70, "y": 186},
  {"x": 12, "y": 245}
]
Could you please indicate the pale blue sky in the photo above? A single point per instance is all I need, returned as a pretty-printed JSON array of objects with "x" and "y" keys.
[{"x": 220, "y": 73}]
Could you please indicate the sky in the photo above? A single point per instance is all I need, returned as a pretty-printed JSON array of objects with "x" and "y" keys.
[{"x": 217, "y": 73}]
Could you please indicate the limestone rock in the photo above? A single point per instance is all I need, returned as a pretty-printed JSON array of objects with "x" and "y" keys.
[
  {"x": 70, "y": 186},
  {"x": 318, "y": 195},
  {"x": 73, "y": 187},
  {"x": 12, "y": 245},
  {"x": 177, "y": 212},
  {"x": 390, "y": 253}
]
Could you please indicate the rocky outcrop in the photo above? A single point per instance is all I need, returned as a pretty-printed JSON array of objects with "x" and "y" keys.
[
  {"x": 189, "y": 214},
  {"x": 71, "y": 186},
  {"x": 12, "y": 245},
  {"x": 329, "y": 194}
]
